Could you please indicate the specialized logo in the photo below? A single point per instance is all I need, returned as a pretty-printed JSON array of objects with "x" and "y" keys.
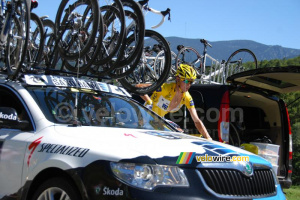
[
  {"x": 185, "y": 158},
  {"x": 32, "y": 147},
  {"x": 63, "y": 150}
]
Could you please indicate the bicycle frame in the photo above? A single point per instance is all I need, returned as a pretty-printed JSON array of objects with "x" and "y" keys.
[
  {"x": 216, "y": 74},
  {"x": 6, "y": 14}
]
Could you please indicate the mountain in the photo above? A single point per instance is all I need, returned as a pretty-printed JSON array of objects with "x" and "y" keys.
[{"x": 221, "y": 50}]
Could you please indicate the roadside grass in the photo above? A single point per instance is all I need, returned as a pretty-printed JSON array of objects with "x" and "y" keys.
[{"x": 293, "y": 193}]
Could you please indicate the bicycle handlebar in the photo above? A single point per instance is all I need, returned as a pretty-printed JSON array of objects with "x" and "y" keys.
[{"x": 145, "y": 6}]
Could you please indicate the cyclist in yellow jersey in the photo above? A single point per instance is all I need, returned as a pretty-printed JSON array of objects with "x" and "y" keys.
[{"x": 171, "y": 96}]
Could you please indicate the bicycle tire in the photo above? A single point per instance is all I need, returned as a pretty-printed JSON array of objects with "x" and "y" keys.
[
  {"x": 21, "y": 19},
  {"x": 68, "y": 47},
  {"x": 126, "y": 70},
  {"x": 107, "y": 72},
  {"x": 133, "y": 11},
  {"x": 235, "y": 62},
  {"x": 130, "y": 84},
  {"x": 190, "y": 56},
  {"x": 82, "y": 64},
  {"x": 113, "y": 40},
  {"x": 111, "y": 68},
  {"x": 173, "y": 64},
  {"x": 36, "y": 43}
]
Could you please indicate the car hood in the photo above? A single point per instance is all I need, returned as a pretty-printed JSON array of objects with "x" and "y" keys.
[{"x": 134, "y": 145}]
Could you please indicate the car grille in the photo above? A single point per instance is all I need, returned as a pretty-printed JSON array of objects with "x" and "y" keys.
[{"x": 233, "y": 182}]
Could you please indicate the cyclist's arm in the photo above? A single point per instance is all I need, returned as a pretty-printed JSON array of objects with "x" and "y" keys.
[
  {"x": 198, "y": 123},
  {"x": 145, "y": 97}
]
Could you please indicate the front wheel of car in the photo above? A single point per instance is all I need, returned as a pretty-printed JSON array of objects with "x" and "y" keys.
[{"x": 56, "y": 189}]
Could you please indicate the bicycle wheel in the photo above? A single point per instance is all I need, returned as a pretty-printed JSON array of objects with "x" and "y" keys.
[
  {"x": 173, "y": 64},
  {"x": 83, "y": 63},
  {"x": 135, "y": 24},
  {"x": 74, "y": 37},
  {"x": 190, "y": 56},
  {"x": 114, "y": 32},
  {"x": 17, "y": 40},
  {"x": 113, "y": 68},
  {"x": 36, "y": 43},
  {"x": 48, "y": 41},
  {"x": 146, "y": 74},
  {"x": 240, "y": 60}
]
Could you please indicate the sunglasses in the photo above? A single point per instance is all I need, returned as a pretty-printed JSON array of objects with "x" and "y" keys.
[{"x": 187, "y": 81}]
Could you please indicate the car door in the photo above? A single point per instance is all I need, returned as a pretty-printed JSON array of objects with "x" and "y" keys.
[{"x": 12, "y": 145}]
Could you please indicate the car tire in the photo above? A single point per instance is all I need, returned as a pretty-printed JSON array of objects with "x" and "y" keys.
[{"x": 56, "y": 188}]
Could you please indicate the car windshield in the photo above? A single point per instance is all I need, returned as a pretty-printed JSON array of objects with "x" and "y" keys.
[{"x": 94, "y": 109}]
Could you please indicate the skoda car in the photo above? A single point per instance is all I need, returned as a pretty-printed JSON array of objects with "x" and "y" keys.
[{"x": 69, "y": 138}]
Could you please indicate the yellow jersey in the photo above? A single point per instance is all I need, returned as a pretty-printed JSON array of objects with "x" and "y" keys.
[{"x": 162, "y": 97}]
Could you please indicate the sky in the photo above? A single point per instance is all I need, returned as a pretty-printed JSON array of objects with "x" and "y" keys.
[{"x": 270, "y": 22}]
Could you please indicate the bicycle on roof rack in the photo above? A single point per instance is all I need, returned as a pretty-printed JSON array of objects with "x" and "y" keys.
[
  {"x": 218, "y": 71},
  {"x": 35, "y": 40},
  {"x": 149, "y": 75},
  {"x": 14, "y": 31}
]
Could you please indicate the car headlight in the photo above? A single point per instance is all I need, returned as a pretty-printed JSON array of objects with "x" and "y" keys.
[{"x": 149, "y": 176}]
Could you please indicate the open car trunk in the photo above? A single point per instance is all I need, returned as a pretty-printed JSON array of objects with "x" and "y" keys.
[{"x": 264, "y": 119}]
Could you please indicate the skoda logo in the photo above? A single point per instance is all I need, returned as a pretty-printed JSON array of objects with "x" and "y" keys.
[{"x": 248, "y": 170}]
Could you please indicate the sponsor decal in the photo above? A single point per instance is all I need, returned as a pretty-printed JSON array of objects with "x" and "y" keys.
[
  {"x": 60, "y": 81},
  {"x": 129, "y": 135},
  {"x": 185, "y": 158},
  {"x": 116, "y": 90},
  {"x": 6, "y": 116},
  {"x": 110, "y": 192},
  {"x": 159, "y": 89},
  {"x": 221, "y": 158},
  {"x": 103, "y": 87},
  {"x": 165, "y": 106},
  {"x": 32, "y": 147},
  {"x": 192, "y": 103},
  {"x": 163, "y": 135},
  {"x": 63, "y": 150}
]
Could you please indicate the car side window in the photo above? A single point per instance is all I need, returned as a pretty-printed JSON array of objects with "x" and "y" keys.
[{"x": 9, "y": 99}]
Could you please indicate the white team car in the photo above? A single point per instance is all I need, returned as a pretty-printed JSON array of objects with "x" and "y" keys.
[{"x": 69, "y": 138}]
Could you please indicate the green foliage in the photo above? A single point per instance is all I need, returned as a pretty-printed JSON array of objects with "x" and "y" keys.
[
  {"x": 292, "y": 193},
  {"x": 296, "y": 154},
  {"x": 279, "y": 63}
]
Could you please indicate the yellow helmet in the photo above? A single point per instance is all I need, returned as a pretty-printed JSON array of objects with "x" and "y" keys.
[{"x": 186, "y": 71}]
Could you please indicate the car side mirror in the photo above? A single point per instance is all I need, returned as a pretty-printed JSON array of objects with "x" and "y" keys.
[{"x": 9, "y": 119}]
